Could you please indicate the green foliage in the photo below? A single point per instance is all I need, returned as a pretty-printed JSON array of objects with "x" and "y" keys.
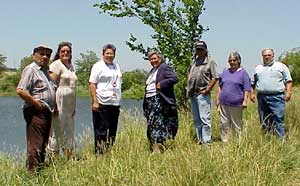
[
  {"x": 135, "y": 91},
  {"x": 9, "y": 82},
  {"x": 133, "y": 84},
  {"x": 176, "y": 27},
  {"x": 254, "y": 159},
  {"x": 2, "y": 64},
  {"x": 84, "y": 66},
  {"x": 292, "y": 60},
  {"x": 2, "y": 59},
  {"x": 24, "y": 62},
  {"x": 130, "y": 78}
]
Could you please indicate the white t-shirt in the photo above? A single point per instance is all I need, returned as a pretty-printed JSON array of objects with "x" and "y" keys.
[
  {"x": 151, "y": 84},
  {"x": 108, "y": 80}
]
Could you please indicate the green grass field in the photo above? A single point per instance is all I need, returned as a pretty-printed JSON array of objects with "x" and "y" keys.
[{"x": 255, "y": 159}]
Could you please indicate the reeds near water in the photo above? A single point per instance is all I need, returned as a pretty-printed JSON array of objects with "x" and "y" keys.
[{"x": 254, "y": 159}]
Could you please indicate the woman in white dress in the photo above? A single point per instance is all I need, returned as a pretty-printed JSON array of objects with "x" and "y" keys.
[{"x": 62, "y": 72}]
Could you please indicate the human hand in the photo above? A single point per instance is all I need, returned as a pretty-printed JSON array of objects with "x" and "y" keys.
[
  {"x": 204, "y": 91},
  {"x": 218, "y": 108},
  {"x": 252, "y": 98},
  {"x": 158, "y": 85},
  {"x": 244, "y": 105},
  {"x": 95, "y": 107},
  {"x": 217, "y": 102},
  {"x": 288, "y": 96},
  {"x": 38, "y": 105}
]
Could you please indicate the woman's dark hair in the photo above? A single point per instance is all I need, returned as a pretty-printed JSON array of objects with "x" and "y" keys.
[
  {"x": 60, "y": 45},
  {"x": 109, "y": 46}
]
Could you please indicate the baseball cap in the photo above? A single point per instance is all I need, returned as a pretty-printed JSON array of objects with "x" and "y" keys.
[{"x": 201, "y": 45}]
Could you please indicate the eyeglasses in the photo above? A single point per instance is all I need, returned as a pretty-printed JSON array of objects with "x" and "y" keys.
[
  {"x": 45, "y": 54},
  {"x": 267, "y": 55},
  {"x": 201, "y": 49},
  {"x": 65, "y": 51},
  {"x": 234, "y": 60}
]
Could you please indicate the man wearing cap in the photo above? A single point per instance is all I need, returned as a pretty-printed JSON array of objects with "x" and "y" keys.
[
  {"x": 273, "y": 84},
  {"x": 38, "y": 92},
  {"x": 202, "y": 77}
]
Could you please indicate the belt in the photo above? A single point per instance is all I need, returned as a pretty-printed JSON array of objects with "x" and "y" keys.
[{"x": 270, "y": 93}]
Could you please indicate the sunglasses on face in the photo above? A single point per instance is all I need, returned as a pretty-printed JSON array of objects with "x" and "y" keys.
[{"x": 65, "y": 51}]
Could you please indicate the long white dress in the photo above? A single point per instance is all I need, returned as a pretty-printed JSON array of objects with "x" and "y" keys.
[{"x": 62, "y": 133}]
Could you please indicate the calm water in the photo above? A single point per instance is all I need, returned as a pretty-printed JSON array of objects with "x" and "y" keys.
[{"x": 12, "y": 132}]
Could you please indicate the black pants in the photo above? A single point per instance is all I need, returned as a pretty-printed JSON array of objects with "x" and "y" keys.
[
  {"x": 38, "y": 124},
  {"x": 105, "y": 127}
]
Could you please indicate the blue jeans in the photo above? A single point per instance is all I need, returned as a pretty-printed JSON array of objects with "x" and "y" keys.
[
  {"x": 201, "y": 106},
  {"x": 271, "y": 113}
]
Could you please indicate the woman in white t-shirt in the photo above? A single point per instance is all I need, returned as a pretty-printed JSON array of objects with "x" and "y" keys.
[
  {"x": 62, "y": 72},
  {"x": 105, "y": 88}
]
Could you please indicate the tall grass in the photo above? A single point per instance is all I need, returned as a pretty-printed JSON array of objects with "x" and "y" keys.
[{"x": 255, "y": 159}]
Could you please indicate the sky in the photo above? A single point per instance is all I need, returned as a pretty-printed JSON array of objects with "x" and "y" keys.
[{"x": 234, "y": 25}]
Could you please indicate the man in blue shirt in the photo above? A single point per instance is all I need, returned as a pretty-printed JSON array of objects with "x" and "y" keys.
[{"x": 273, "y": 83}]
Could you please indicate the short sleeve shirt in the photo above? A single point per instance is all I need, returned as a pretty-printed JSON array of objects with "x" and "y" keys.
[
  {"x": 271, "y": 78},
  {"x": 233, "y": 86},
  {"x": 108, "y": 80},
  {"x": 201, "y": 73},
  {"x": 38, "y": 83}
]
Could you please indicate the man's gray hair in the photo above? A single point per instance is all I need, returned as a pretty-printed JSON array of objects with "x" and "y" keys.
[{"x": 265, "y": 49}]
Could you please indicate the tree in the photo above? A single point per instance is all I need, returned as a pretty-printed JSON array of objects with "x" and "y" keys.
[
  {"x": 2, "y": 59},
  {"x": 24, "y": 62},
  {"x": 10, "y": 81},
  {"x": 131, "y": 84},
  {"x": 135, "y": 77},
  {"x": 2, "y": 63},
  {"x": 292, "y": 60},
  {"x": 84, "y": 65},
  {"x": 176, "y": 28}
]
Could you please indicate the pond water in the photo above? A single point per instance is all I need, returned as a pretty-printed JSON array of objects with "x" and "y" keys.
[{"x": 12, "y": 133}]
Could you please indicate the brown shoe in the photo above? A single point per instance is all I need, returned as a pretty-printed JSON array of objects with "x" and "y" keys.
[{"x": 158, "y": 148}]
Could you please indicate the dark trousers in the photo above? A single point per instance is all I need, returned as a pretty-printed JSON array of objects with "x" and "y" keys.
[
  {"x": 38, "y": 124},
  {"x": 105, "y": 127}
]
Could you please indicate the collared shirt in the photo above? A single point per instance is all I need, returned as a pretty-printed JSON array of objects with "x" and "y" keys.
[
  {"x": 108, "y": 80},
  {"x": 271, "y": 78},
  {"x": 38, "y": 83},
  {"x": 200, "y": 75}
]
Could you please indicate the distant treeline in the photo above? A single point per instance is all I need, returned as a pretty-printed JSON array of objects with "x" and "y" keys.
[
  {"x": 132, "y": 86},
  {"x": 133, "y": 81}
]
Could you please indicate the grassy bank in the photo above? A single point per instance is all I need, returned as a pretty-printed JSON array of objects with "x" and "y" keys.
[{"x": 254, "y": 160}]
